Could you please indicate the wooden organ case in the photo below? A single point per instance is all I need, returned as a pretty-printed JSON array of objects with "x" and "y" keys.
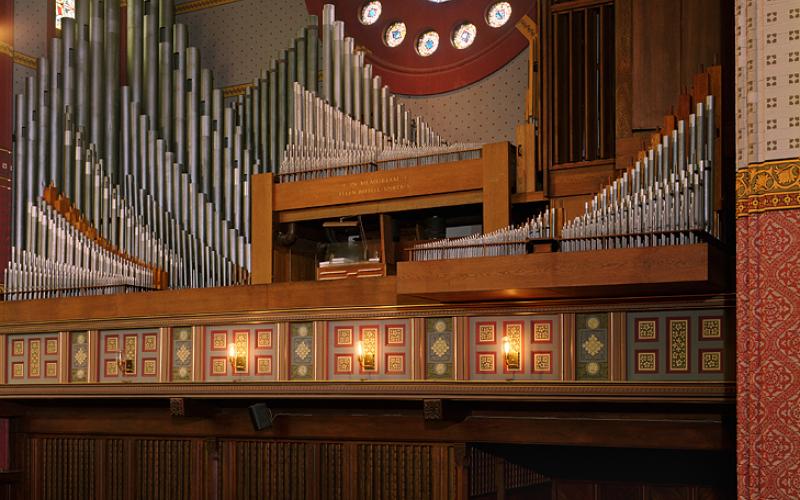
[{"x": 589, "y": 320}]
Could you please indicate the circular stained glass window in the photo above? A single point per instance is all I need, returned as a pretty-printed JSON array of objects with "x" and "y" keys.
[
  {"x": 370, "y": 13},
  {"x": 498, "y": 14},
  {"x": 427, "y": 43},
  {"x": 464, "y": 35},
  {"x": 395, "y": 34}
]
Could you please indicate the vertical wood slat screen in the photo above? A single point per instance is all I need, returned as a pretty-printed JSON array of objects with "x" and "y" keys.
[
  {"x": 133, "y": 467},
  {"x": 395, "y": 471},
  {"x": 482, "y": 470},
  {"x": 114, "y": 469},
  {"x": 67, "y": 467},
  {"x": 268, "y": 469},
  {"x": 163, "y": 469},
  {"x": 582, "y": 74}
]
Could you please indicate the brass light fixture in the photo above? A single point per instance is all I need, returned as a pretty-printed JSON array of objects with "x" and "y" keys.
[
  {"x": 511, "y": 355},
  {"x": 365, "y": 359},
  {"x": 237, "y": 359}
]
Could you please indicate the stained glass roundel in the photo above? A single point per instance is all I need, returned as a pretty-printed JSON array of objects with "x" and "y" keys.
[
  {"x": 427, "y": 43},
  {"x": 395, "y": 34},
  {"x": 498, "y": 14},
  {"x": 370, "y": 13},
  {"x": 464, "y": 35}
]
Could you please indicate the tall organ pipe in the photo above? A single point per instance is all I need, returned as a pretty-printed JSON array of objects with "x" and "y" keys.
[
  {"x": 135, "y": 42},
  {"x": 179, "y": 93},
  {"x": 192, "y": 117},
  {"x": 20, "y": 167},
  {"x": 97, "y": 28},
  {"x": 150, "y": 61},
  {"x": 56, "y": 117},
  {"x": 68, "y": 60},
  {"x": 112, "y": 134},
  {"x": 82, "y": 67}
]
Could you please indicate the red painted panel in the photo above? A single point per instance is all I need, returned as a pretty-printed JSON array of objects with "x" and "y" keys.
[
  {"x": 448, "y": 68},
  {"x": 768, "y": 354}
]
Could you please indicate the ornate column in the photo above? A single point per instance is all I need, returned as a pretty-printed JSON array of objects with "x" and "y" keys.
[{"x": 768, "y": 247}]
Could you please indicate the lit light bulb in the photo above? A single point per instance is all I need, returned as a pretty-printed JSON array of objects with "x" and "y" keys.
[
  {"x": 506, "y": 345},
  {"x": 231, "y": 351},
  {"x": 359, "y": 349}
]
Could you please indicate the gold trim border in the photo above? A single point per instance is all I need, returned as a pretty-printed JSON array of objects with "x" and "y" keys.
[
  {"x": 235, "y": 90},
  {"x": 766, "y": 186},
  {"x": 17, "y": 57},
  {"x": 191, "y": 5},
  {"x": 195, "y": 5}
]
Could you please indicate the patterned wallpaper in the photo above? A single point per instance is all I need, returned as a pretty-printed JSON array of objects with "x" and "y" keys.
[
  {"x": 767, "y": 80},
  {"x": 237, "y": 40},
  {"x": 30, "y": 36},
  {"x": 235, "y": 45}
]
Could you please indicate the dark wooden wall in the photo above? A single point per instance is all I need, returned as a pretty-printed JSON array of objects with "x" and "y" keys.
[{"x": 141, "y": 467}]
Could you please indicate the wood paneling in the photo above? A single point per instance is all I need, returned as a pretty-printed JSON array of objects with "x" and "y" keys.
[
  {"x": 132, "y": 467},
  {"x": 656, "y": 60},
  {"x": 551, "y": 274},
  {"x": 671, "y": 41}
]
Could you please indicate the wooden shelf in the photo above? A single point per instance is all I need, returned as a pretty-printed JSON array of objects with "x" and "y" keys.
[
  {"x": 618, "y": 272},
  {"x": 198, "y": 302}
]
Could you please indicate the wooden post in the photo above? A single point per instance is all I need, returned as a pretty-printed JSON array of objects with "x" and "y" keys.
[
  {"x": 497, "y": 164},
  {"x": 527, "y": 166},
  {"x": 263, "y": 228}
]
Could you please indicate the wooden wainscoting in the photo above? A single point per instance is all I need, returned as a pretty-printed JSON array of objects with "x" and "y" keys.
[{"x": 133, "y": 467}]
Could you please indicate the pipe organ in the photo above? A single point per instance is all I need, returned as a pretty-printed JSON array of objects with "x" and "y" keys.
[
  {"x": 158, "y": 171},
  {"x": 666, "y": 199},
  {"x": 148, "y": 185}
]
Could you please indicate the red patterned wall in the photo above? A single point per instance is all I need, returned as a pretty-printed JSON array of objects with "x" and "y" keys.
[
  {"x": 6, "y": 128},
  {"x": 768, "y": 354}
]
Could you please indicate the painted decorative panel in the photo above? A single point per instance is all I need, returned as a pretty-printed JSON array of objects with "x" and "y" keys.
[
  {"x": 254, "y": 348},
  {"x": 677, "y": 345},
  {"x": 128, "y": 356},
  {"x": 536, "y": 339},
  {"x": 32, "y": 358},
  {"x": 79, "y": 356},
  {"x": 301, "y": 343},
  {"x": 439, "y": 349},
  {"x": 182, "y": 354},
  {"x": 591, "y": 346},
  {"x": 387, "y": 341}
]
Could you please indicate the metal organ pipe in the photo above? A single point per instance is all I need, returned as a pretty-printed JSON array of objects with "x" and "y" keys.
[{"x": 161, "y": 168}]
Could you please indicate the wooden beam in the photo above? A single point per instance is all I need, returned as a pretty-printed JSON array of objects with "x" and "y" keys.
[
  {"x": 497, "y": 162},
  {"x": 263, "y": 228}
]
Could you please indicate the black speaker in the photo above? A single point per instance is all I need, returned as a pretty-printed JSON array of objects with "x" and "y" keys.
[{"x": 261, "y": 416}]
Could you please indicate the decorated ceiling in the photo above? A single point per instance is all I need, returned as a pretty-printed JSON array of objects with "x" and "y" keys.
[{"x": 424, "y": 47}]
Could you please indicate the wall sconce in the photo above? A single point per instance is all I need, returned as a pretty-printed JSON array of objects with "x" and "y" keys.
[
  {"x": 365, "y": 359},
  {"x": 237, "y": 359},
  {"x": 511, "y": 355},
  {"x": 125, "y": 364}
]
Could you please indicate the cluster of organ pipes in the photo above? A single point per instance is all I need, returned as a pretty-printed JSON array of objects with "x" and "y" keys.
[
  {"x": 160, "y": 168},
  {"x": 511, "y": 240},
  {"x": 64, "y": 262},
  {"x": 666, "y": 199},
  {"x": 353, "y": 119}
]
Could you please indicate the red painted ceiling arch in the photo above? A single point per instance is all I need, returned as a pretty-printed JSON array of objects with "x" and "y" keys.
[{"x": 448, "y": 68}]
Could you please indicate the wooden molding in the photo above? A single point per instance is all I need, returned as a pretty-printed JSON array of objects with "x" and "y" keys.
[
  {"x": 683, "y": 392},
  {"x": 772, "y": 185}
]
